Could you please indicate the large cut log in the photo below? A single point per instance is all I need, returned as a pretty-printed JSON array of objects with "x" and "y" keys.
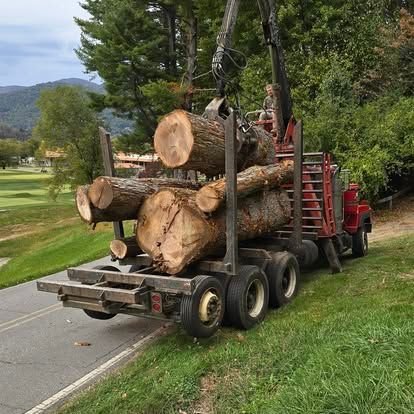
[
  {"x": 174, "y": 232},
  {"x": 120, "y": 198},
  {"x": 126, "y": 247},
  {"x": 88, "y": 213},
  {"x": 210, "y": 197},
  {"x": 191, "y": 142}
]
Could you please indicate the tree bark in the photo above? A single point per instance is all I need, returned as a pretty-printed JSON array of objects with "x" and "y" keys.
[
  {"x": 191, "y": 142},
  {"x": 190, "y": 34},
  {"x": 210, "y": 197},
  {"x": 170, "y": 16},
  {"x": 120, "y": 198},
  {"x": 174, "y": 232},
  {"x": 126, "y": 247}
]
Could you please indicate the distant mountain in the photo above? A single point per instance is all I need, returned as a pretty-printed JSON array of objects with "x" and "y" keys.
[
  {"x": 12, "y": 88},
  {"x": 7, "y": 131},
  {"x": 18, "y": 104},
  {"x": 92, "y": 86}
]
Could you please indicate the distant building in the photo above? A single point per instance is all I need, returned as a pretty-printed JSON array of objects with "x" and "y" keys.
[
  {"x": 50, "y": 157},
  {"x": 133, "y": 161}
]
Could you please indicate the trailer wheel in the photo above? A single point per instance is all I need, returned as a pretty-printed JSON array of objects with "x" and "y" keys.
[
  {"x": 247, "y": 297},
  {"x": 102, "y": 316},
  {"x": 203, "y": 311},
  {"x": 135, "y": 268},
  {"x": 283, "y": 274},
  {"x": 360, "y": 243}
]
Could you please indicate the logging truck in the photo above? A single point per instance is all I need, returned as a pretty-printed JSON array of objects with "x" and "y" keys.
[{"x": 226, "y": 251}]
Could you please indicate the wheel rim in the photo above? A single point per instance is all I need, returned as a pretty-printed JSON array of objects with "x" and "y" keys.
[
  {"x": 255, "y": 298},
  {"x": 289, "y": 281},
  {"x": 209, "y": 308}
]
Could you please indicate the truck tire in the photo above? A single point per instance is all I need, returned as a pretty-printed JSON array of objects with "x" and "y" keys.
[
  {"x": 102, "y": 316},
  {"x": 283, "y": 275},
  {"x": 247, "y": 297},
  {"x": 203, "y": 311},
  {"x": 135, "y": 268},
  {"x": 360, "y": 243}
]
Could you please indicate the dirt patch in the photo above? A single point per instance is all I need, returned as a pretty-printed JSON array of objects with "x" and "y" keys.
[
  {"x": 394, "y": 223},
  {"x": 205, "y": 404},
  {"x": 208, "y": 386},
  {"x": 407, "y": 276},
  {"x": 15, "y": 231},
  {"x": 66, "y": 221}
]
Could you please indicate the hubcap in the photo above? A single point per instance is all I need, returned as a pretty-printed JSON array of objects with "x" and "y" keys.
[
  {"x": 255, "y": 298},
  {"x": 210, "y": 307},
  {"x": 289, "y": 281}
]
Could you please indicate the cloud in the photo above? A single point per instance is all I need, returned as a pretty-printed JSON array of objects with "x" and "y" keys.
[{"x": 38, "y": 45}]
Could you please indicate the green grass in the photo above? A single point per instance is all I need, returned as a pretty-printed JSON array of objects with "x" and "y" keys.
[
  {"x": 345, "y": 345},
  {"x": 47, "y": 252},
  {"x": 19, "y": 188},
  {"x": 42, "y": 236}
]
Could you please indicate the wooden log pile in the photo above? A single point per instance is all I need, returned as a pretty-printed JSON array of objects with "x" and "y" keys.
[
  {"x": 179, "y": 221},
  {"x": 190, "y": 142},
  {"x": 118, "y": 199}
]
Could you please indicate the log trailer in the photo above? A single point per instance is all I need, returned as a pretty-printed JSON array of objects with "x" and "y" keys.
[{"x": 238, "y": 285}]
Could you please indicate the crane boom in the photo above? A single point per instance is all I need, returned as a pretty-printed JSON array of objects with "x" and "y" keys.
[{"x": 283, "y": 101}]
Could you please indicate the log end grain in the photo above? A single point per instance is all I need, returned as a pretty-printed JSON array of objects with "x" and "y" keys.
[
  {"x": 119, "y": 249},
  {"x": 125, "y": 247},
  {"x": 208, "y": 199},
  {"x": 100, "y": 193},
  {"x": 83, "y": 204},
  {"x": 170, "y": 231},
  {"x": 173, "y": 139}
]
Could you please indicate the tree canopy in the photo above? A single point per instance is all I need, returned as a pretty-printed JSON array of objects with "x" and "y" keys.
[
  {"x": 67, "y": 122},
  {"x": 349, "y": 63}
]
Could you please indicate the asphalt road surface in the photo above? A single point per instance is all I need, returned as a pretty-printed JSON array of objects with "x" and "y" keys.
[{"x": 38, "y": 355}]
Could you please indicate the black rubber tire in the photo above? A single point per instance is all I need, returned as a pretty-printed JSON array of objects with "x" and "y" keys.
[
  {"x": 360, "y": 243},
  {"x": 237, "y": 302},
  {"x": 276, "y": 271},
  {"x": 135, "y": 268},
  {"x": 190, "y": 318},
  {"x": 107, "y": 267},
  {"x": 102, "y": 316}
]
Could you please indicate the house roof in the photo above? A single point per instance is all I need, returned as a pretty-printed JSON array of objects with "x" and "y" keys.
[
  {"x": 54, "y": 154},
  {"x": 127, "y": 165},
  {"x": 132, "y": 157}
]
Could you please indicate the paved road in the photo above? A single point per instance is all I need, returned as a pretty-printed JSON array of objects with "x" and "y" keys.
[{"x": 38, "y": 357}]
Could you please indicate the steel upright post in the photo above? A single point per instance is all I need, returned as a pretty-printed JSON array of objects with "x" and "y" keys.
[
  {"x": 296, "y": 238},
  {"x": 231, "y": 258},
  {"x": 108, "y": 161}
]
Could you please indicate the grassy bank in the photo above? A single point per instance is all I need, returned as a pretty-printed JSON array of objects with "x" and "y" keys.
[
  {"x": 343, "y": 346},
  {"x": 39, "y": 235}
]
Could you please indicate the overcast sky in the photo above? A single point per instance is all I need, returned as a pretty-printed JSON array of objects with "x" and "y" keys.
[{"x": 37, "y": 38}]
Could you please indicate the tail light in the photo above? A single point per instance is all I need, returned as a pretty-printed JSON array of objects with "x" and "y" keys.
[{"x": 156, "y": 302}]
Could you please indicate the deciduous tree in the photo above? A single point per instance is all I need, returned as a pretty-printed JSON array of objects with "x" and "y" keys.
[{"x": 69, "y": 123}]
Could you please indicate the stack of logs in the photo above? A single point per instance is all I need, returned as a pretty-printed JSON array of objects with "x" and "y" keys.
[{"x": 179, "y": 221}]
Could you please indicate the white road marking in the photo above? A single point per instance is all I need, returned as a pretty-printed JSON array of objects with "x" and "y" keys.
[
  {"x": 27, "y": 318},
  {"x": 50, "y": 402},
  {"x": 28, "y": 315}
]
